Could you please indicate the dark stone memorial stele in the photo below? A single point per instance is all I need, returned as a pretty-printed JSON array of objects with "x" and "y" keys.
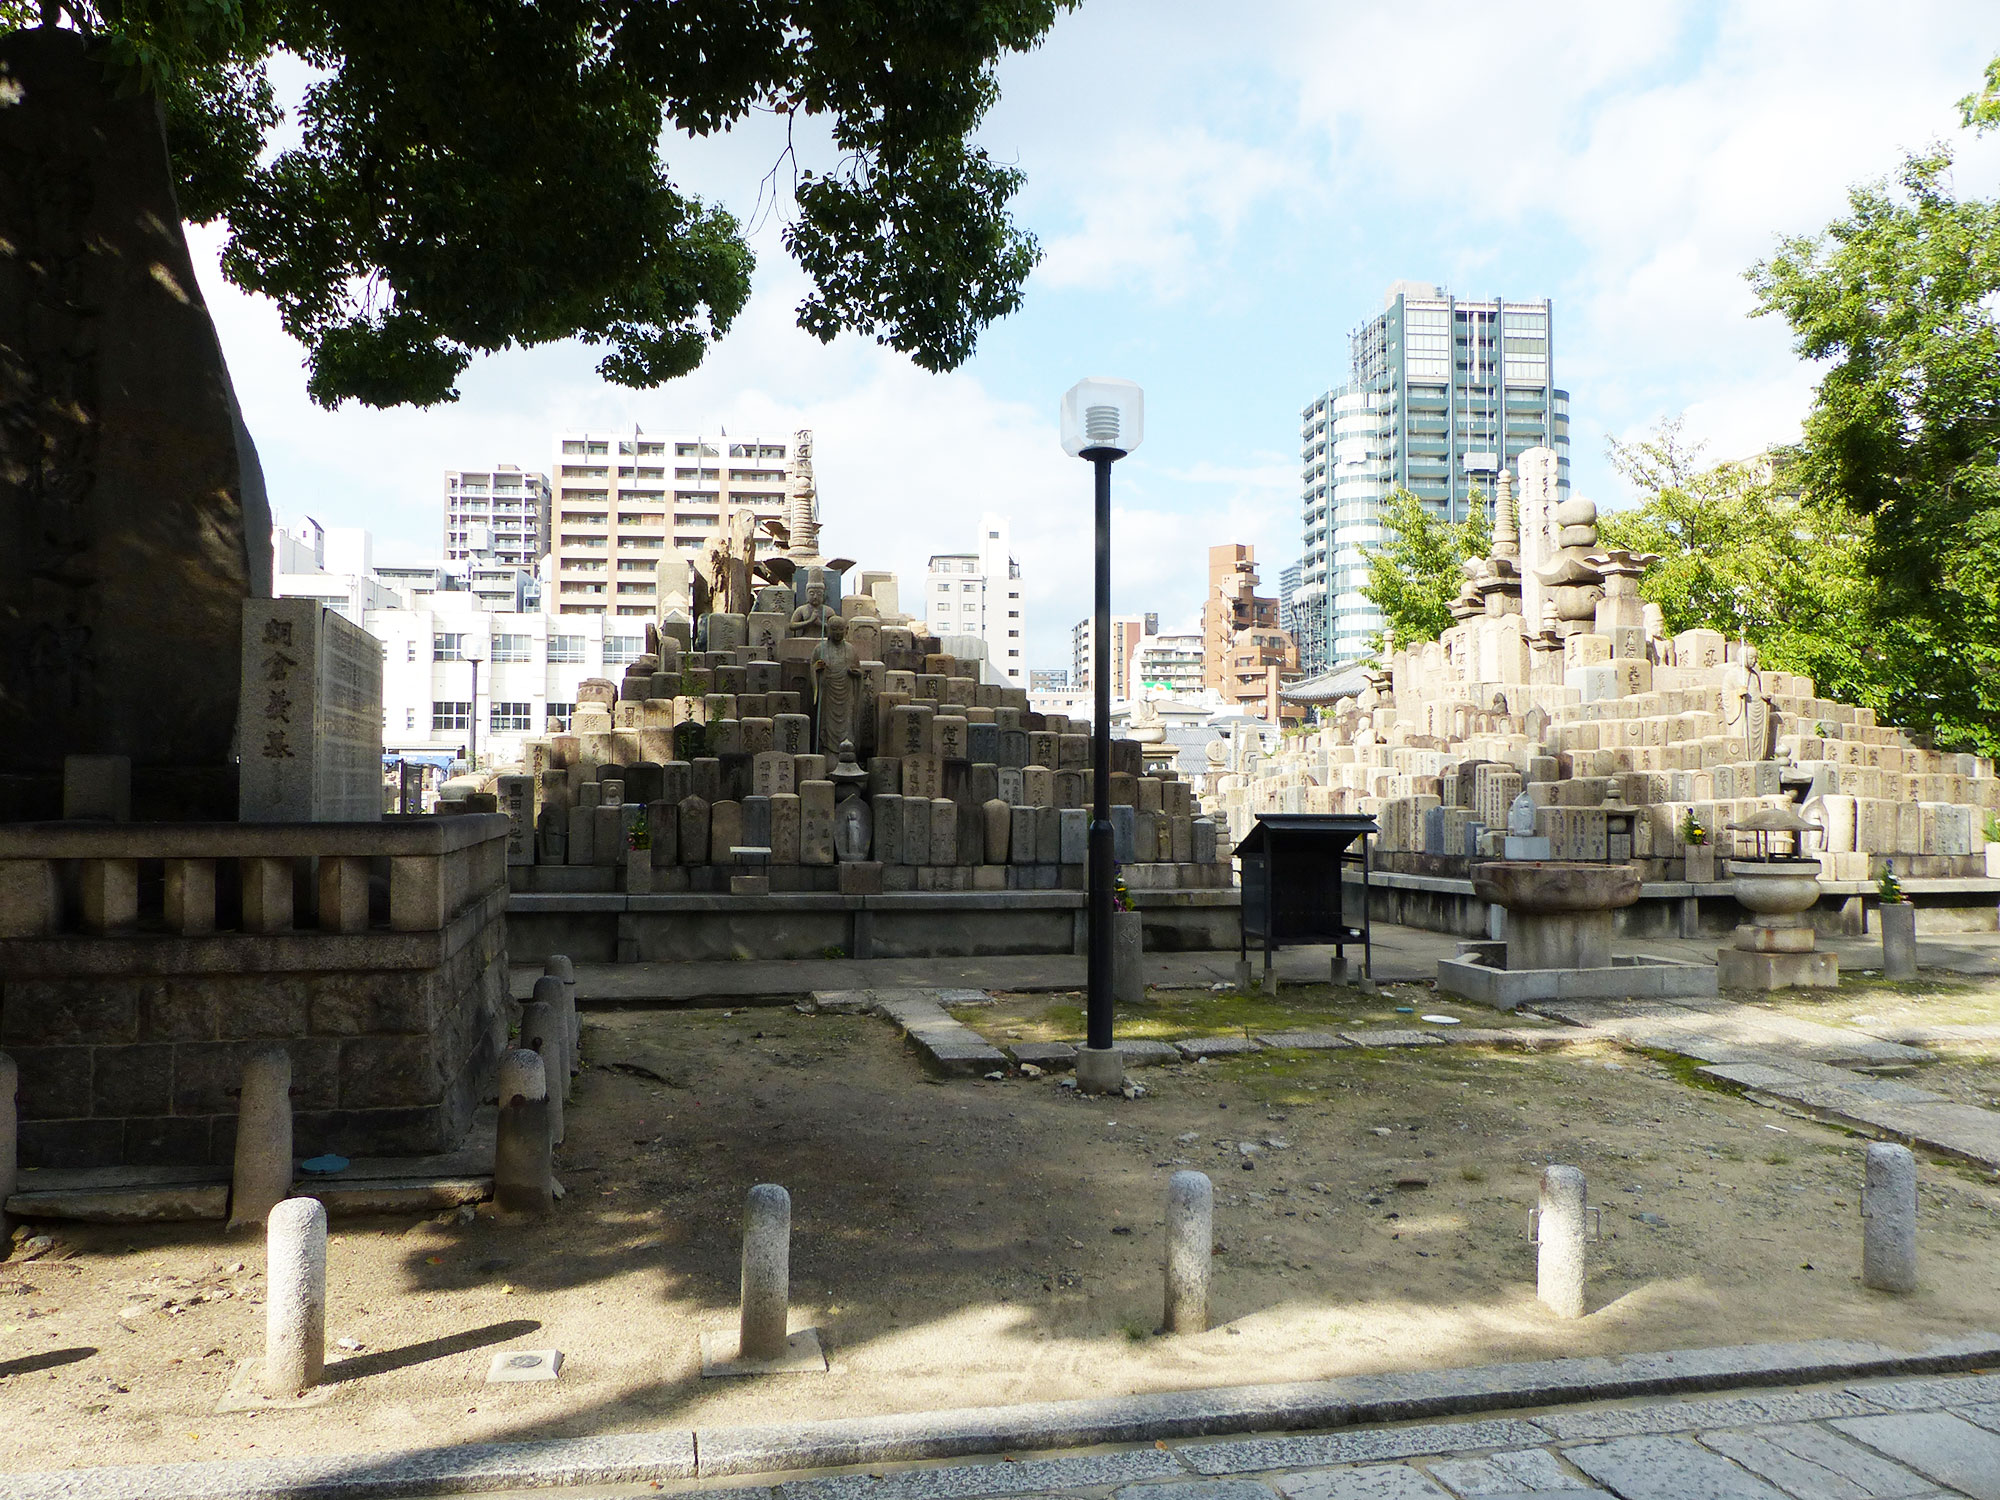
[{"x": 133, "y": 522}]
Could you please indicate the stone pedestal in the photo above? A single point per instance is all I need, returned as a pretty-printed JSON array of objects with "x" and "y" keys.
[
  {"x": 1099, "y": 1070},
  {"x": 1559, "y": 915},
  {"x": 1741, "y": 969},
  {"x": 1899, "y": 939},
  {"x": 1777, "y": 950}
]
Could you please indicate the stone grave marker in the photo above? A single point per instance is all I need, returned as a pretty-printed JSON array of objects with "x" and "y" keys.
[{"x": 312, "y": 716}]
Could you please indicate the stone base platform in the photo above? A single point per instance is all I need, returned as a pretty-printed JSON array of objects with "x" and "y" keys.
[
  {"x": 614, "y": 928},
  {"x": 1742, "y": 969},
  {"x": 177, "y": 1194},
  {"x": 1440, "y": 898},
  {"x": 1503, "y": 989}
]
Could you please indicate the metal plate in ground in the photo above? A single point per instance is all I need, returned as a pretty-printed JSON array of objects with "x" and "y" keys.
[
  {"x": 524, "y": 1364},
  {"x": 803, "y": 1356}
]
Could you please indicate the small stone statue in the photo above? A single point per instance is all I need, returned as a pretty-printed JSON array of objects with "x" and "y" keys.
[
  {"x": 837, "y": 687},
  {"x": 1521, "y": 816},
  {"x": 813, "y": 617}
]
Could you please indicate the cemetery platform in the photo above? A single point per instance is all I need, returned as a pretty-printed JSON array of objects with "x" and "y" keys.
[
  {"x": 612, "y": 927},
  {"x": 1435, "y": 893},
  {"x": 141, "y": 963}
]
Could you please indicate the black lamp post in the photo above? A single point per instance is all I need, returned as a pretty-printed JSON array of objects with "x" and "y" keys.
[{"x": 1102, "y": 421}]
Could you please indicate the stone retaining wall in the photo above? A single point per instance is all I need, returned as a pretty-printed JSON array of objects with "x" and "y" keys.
[{"x": 131, "y": 1043}]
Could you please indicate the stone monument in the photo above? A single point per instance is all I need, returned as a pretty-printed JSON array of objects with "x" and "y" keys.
[
  {"x": 312, "y": 716},
  {"x": 133, "y": 523},
  {"x": 801, "y": 503}
]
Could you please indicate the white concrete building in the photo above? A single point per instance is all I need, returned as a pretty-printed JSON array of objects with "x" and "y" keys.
[
  {"x": 460, "y": 679},
  {"x": 1167, "y": 663},
  {"x": 979, "y": 594},
  {"x": 622, "y": 500},
  {"x": 1126, "y": 633},
  {"x": 334, "y": 567},
  {"x": 496, "y": 516}
]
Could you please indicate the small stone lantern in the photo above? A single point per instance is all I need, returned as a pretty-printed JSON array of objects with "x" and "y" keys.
[{"x": 1778, "y": 883}]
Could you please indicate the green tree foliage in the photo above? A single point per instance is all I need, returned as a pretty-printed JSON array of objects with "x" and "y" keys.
[
  {"x": 471, "y": 175},
  {"x": 1741, "y": 552},
  {"x": 1898, "y": 299},
  {"x": 1415, "y": 574}
]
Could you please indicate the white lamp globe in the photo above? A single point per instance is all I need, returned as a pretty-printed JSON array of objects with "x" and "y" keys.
[{"x": 1102, "y": 413}]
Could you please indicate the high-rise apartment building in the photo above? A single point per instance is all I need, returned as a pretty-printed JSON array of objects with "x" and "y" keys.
[
  {"x": 1241, "y": 641},
  {"x": 497, "y": 517},
  {"x": 622, "y": 501},
  {"x": 1126, "y": 633},
  {"x": 1168, "y": 663},
  {"x": 1441, "y": 392},
  {"x": 979, "y": 594}
]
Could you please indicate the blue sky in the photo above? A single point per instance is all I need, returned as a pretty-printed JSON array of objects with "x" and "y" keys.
[{"x": 1222, "y": 193}]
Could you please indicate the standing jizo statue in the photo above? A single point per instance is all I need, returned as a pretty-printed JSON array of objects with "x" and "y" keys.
[{"x": 837, "y": 689}]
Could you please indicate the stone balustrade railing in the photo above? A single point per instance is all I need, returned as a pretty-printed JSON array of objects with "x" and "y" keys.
[{"x": 198, "y": 879}]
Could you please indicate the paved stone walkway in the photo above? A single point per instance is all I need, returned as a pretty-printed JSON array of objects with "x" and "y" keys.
[
  {"x": 1876, "y": 1440},
  {"x": 1829, "y": 1072}
]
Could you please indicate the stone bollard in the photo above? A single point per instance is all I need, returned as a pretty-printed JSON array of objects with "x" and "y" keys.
[
  {"x": 1190, "y": 1251},
  {"x": 295, "y": 1297},
  {"x": 523, "y": 1178},
  {"x": 1889, "y": 1219},
  {"x": 1559, "y": 1242},
  {"x": 10, "y": 1154},
  {"x": 542, "y": 1031},
  {"x": 263, "y": 1176},
  {"x": 1899, "y": 939},
  {"x": 559, "y": 967},
  {"x": 767, "y": 1273},
  {"x": 549, "y": 991}
]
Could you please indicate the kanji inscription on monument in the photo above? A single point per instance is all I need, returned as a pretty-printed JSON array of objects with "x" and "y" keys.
[{"x": 312, "y": 716}]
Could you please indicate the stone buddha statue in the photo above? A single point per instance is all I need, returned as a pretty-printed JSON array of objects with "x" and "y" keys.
[
  {"x": 837, "y": 683},
  {"x": 813, "y": 617}
]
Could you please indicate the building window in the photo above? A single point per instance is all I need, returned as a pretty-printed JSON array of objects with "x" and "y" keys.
[
  {"x": 619, "y": 649},
  {"x": 447, "y": 648},
  {"x": 514, "y": 716},
  {"x": 409, "y": 718},
  {"x": 561, "y": 712},
  {"x": 451, "y": 715},
  {"x": 411, "y": 647},
  {"x": 513, "y": 648}
]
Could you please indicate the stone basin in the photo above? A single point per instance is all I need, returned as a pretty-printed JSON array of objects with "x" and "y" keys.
[
  {"x": 1774, "y": 888},
  {"x": 1558, "y": 911},
  {"x": 1547, "y": 887}
]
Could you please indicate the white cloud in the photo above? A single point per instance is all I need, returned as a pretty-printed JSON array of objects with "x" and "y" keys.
[{"x": 1164, "y": 207}]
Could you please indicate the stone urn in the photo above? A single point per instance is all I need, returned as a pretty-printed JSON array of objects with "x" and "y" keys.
[
  {"x": 1559, "y": 913},
  {"x": 1774, "y": 892}
]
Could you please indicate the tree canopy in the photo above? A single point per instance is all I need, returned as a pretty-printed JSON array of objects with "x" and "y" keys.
[
  {"x": 1742, "y": 553},
  {"x": 1898, "y": 298},
  {"x": 468, "y": 175},
  {"x": 1415, "y": 574}
]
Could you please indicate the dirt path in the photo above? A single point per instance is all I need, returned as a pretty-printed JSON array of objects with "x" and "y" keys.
[{"x": 978, "y": 1242}]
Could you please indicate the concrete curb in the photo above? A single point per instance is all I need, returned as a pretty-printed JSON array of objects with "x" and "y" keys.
[{"x": 629, "y": 1458}]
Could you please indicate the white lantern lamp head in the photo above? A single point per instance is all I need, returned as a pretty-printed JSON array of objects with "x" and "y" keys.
[{"x": 1102, "y": 416}]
